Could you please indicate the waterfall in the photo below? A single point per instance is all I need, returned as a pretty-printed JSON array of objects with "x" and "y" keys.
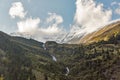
[
  {"x": 54, "y": 58},
  {"x": 67, "y": 71},
  {"x": 44, "y": 46}
]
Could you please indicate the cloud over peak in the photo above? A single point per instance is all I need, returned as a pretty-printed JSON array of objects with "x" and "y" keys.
[
  {"x": 17, "y": 10},
  {"x": 90, "y": 15}
]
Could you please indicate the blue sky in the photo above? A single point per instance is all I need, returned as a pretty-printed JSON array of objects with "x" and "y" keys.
[
  {"x": 107, "y": 4},
  {"x": 40, "y": 9},
  {"x": 37, "y": 8}
]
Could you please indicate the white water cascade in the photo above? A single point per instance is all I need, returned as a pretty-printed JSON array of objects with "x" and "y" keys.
[
  {"x": 67, "y": 71},
  {"x": 54, "y": 58}
]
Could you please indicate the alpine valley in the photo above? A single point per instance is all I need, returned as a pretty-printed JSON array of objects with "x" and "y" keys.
[{"x": 93, "y": 56}]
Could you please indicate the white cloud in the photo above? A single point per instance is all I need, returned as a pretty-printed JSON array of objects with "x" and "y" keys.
[
  {"x": 53, "y": 22},
  {"x": 90, "y": 16},
  {"x": 42, "y": 33},
  {"x": 51, "y": 30},
  {"x": 117, "y": 11},
  {"x": 115, "y": 3},
  {"x": 17, "y": 10},
  {"x": 53, "y": 17},
  {"x": 28, "y": 25}
]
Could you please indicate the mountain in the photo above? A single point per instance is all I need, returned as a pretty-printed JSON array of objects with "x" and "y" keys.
[
  {"x": 103, "y": 34},
  {"x": 17, "y": 56},
  {"x": 28, "y": 59},
  {"x": 43, "y": 38},
  {"x": 75, "y": 36}
]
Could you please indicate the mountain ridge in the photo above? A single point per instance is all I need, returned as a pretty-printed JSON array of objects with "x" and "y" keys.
[
  {"x": 103, "y": 34},
  {"x": 73, "y": 37}
]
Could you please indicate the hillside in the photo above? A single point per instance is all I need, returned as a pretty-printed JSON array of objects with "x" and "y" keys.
[
  {"x": 104, "y": 34},
  {"x": 27, "y": 59},
  {"x": 17, "y": 56}
]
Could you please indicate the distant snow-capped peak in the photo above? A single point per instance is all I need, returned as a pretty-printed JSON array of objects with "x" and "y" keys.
[{"x": 74, "y": 35}]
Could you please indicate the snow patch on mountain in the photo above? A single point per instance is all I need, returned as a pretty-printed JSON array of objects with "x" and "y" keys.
[{"x": 74, "y": 35}]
